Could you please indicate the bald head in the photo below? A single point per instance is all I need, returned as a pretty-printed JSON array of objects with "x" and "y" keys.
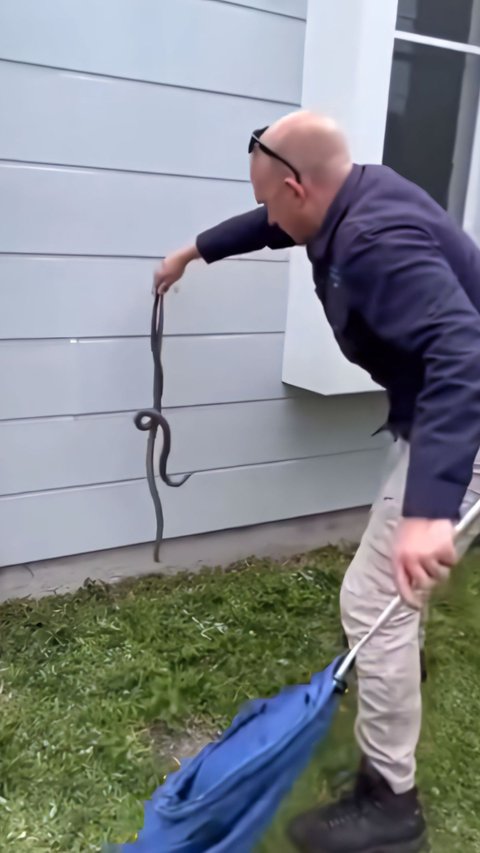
[
  {"x": 313, "y": 142},
  {"x": 317, "y": 149}
]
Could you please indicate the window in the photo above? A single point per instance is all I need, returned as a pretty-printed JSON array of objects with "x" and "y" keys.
[
  {"x": 431, "y": 122},
  {"x": 433, "y": 126},
  {"x": 452, "y": 20}
]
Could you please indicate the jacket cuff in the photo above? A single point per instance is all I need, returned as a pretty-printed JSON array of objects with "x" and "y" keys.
[
  {"x": 427, "y": 497},
  {"x": 207, "y": 246}
]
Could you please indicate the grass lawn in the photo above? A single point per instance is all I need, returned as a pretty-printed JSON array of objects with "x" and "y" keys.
[{"x": 101, "y": 690}]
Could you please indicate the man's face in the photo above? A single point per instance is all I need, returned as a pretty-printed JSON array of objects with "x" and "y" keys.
[{"x": 285, "y": 207}]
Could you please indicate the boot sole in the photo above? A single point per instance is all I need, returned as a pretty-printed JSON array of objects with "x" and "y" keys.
[{"x": 419, "y": 845}]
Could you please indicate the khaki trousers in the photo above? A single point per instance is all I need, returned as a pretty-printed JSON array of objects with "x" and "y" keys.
[{"x": 388, "y": 668}]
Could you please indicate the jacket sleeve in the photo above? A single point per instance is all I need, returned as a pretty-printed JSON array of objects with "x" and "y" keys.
[
  {"x": 410, "y": 297},
  {"x": 239, "y": 235}
]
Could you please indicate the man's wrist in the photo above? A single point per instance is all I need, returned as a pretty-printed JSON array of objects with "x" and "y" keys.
[{"x": 190, "y": 253}]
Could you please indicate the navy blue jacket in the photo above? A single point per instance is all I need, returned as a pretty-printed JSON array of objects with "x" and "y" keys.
[{"x": 400, "y": 285}]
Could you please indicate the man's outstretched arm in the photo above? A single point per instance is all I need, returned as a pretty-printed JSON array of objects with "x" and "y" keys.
[
  {"x": 248, "y": 232},
  {"x": 240, "y": 235}
]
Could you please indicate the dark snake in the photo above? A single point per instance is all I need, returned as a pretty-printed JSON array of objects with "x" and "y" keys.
[{"x": 150, "y": 420}]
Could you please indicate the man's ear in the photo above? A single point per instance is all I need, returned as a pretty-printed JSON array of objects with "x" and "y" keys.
[{"x": 297, "y": 189}]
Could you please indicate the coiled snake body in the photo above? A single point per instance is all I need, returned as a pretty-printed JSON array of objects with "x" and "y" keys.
[{"x": 150, "y": 420}]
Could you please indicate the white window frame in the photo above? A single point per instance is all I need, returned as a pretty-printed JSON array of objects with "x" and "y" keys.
[
  {"x": 471, "y": 214},
  {"x": 347, "y": 71},
  {"x": 347, "y": 68},
  {"x": 433, "y": 41}
]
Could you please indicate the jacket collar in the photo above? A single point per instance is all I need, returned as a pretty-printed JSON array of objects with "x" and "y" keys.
[{"x": 336, "y": 212}]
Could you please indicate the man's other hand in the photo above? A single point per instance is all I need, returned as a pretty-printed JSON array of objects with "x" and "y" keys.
[{"x": 424, "y": 553}]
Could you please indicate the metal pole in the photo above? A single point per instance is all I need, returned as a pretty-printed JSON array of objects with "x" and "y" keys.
[{"x": 463, "y": 526}]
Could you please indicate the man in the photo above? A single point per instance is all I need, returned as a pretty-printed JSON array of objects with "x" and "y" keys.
[{"x": 400, "y": 285}]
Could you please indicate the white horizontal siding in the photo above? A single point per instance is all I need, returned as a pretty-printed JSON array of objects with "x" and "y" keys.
[
  {"x": 58, "y": 377},
  {"x": 295, "y": 8},
  {"x": 193, "y": 43},
  {"x": 43, "y": 297},
  {"x": 39, "y": 455},
  {"x": 81, "y": 211},
  {"x": 63, "y": 117},
  {"x": 124, "y": 134},
  {"x": 57, "y": 523}
]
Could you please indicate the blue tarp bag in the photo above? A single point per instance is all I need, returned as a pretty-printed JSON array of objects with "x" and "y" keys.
[{"x": 223, "y": 799}]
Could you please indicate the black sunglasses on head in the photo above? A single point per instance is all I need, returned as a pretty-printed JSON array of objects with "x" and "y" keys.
[{"x": 255, "y": 139}]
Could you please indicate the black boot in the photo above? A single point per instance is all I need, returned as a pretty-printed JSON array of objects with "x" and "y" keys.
[{"x": 370, "y": 819}]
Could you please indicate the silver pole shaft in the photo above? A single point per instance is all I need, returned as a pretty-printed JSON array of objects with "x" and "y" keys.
[{"x": 461, "y": 528}]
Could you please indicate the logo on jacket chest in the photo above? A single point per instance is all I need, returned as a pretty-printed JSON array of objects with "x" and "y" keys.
[{"x": 332, "y": 293}]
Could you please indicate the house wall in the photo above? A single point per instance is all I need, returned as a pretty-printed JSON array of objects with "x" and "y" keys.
[{"x": 124, "y": 132}]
